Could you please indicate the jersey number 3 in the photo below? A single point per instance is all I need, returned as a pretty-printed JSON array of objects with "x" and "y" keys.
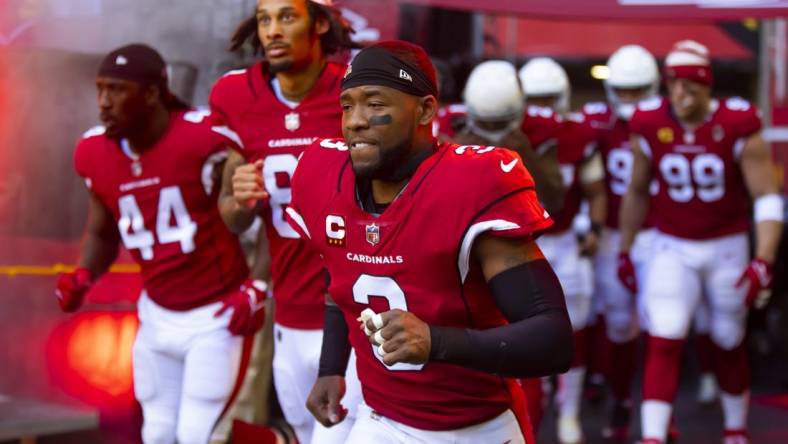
[
  {"x": 132, "y": 224},
  {"x": 367, "y": 286}
]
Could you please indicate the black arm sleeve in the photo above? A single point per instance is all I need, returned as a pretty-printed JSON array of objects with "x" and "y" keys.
[
  {"x": 538, "y": 340},
  {"x": 335, "y": 351}
]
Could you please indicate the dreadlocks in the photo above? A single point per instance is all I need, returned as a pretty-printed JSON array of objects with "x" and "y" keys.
[{"x": 337, "y": 38}]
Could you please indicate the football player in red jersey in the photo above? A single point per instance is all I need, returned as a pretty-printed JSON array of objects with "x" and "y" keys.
[
  {"x": 150, "y": 172},
  {"x": 278, "y": 107},
  {"x": 634, "y": 76},
  {"x": 546, "y": 89},
  {"x": 494, "y": 104},
  {"x": 709, "y": 158},
  {"x": 438, "y": 239},
  {"x": 494, "y": 107}
]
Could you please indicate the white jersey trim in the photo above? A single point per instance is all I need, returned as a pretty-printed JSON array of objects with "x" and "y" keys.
[
  {"x": 207, "y": 170},
  {"x": 738, "y": 147},
  {"x": 463, "y": 261},
  {"x": 644, "y": 146},
  {"x": 299, "y": 220},
  {"x": 228, "y": 133},
  {"x": 95, "y": 131}
]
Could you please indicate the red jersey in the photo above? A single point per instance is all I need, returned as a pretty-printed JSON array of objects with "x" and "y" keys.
[
  {"x": 450, "y": 120},
  {"x": 576, "y": 144},
  {"x": 542, "y": 126},
  {"x": 269, "y": 129},
  {"x": 613, "y": 138},
  {"x": 614, "y": 146},
  {"x": 164, "y": 202},
  {"x": 417, "y": 257},
  {"x": 702, "y": 192}
]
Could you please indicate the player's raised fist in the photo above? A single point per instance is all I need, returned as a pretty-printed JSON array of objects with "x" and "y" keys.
[
  {"x": 71, "y": 289},
  {"x": 405, "y": 337},
  {"x": 324, "y": 400},
  {"x": 248, "y": 184}
]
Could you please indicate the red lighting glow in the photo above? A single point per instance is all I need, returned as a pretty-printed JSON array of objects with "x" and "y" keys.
[{"x": 90, "y": 357}]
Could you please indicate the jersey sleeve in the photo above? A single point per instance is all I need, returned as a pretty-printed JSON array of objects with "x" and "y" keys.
[
  {"x": 744, "y": 117},
  {"x": 504, "y": 200},
  {"x": 307, "y": 184},
  {"x": 220, "y": 101},
  {"x": 84, "y": 153},
  {"x": 508, "y": 199},
  {"x": 542, "y": 126}
]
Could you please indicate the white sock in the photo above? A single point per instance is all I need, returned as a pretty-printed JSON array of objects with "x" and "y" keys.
[
  {"x": 734, "y": 409},
  {"x": 570, "y": 389},
  {"x": 655, "y": 418}
]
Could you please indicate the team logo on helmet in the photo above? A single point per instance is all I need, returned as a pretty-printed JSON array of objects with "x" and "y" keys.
[
  {"x": 349, "y": 70},
  {"x": 335, "y": 230},
  {"x": 292, "y": 121},
  {"x": 373, "y": 234},
  {"x": 665, "y": 135}
]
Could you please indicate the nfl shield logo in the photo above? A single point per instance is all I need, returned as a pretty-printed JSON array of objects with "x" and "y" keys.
[
  {"x": 136, "y": 169},
  {"x": 373, "y": 234},
  {"x": 292, "y": 121}
]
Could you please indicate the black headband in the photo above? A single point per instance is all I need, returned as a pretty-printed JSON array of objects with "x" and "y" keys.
[
  {"x": 137, "y": 62},
  {"x": 378, "y": 66}
]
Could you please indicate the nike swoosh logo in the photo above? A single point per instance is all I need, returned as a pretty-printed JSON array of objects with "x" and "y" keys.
[{"x": 507, "y": 167}]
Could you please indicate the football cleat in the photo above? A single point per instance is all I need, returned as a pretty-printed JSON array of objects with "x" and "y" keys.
[
  {"x": 735, "y": 437},
  {"x": 618, "y": 428}
]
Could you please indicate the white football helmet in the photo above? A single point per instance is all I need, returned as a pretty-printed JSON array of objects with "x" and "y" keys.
[
  {"x": 631, "y": 67},
  {"x": 492, "y": 94},
  {"x": 543, "y": 76}
]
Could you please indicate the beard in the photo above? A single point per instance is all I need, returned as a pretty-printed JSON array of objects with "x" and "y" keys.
[
  {"x": 393, "y": 165},
  {"x": 276, "y": 68}
]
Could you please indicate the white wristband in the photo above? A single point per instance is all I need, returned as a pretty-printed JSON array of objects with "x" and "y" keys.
[{"x": 769, "y": 207}]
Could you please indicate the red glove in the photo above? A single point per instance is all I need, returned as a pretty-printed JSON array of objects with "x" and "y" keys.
[
  {"x": 759, "y": 277},
  {"x": 248, "y": 308},
  {"x": 71, "y": 289},
  {"x": 626, "y": 272}
]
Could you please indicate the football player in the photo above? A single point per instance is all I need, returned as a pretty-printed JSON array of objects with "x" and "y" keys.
[
  {"x": 634, "y": 76},
  {"x": 431, "y": 245},
  {"x": 494, "y": 106},
  {"x": 709, "y": 159},
  {"x": 493, "y": 111},
  {"x": 546, "y": 88},
  {"x": 278, "y": 107},
  {"x": 151, "y": 172}
]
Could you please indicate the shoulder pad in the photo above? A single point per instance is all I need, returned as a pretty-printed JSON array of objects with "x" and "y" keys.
[
  {"x": 650, "y": 104},
  {"x": 234, "y": 72},
  {"x": 576, "y": 117},
  {"x": 592, "y": 108},
  {"x": 334, "y": 144},
  {"x": 737, "y": 104},
  {"x": 196, "y": 115},
  {"x": 540, "y": 111},
  {"x": 95, "y": 131}
]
